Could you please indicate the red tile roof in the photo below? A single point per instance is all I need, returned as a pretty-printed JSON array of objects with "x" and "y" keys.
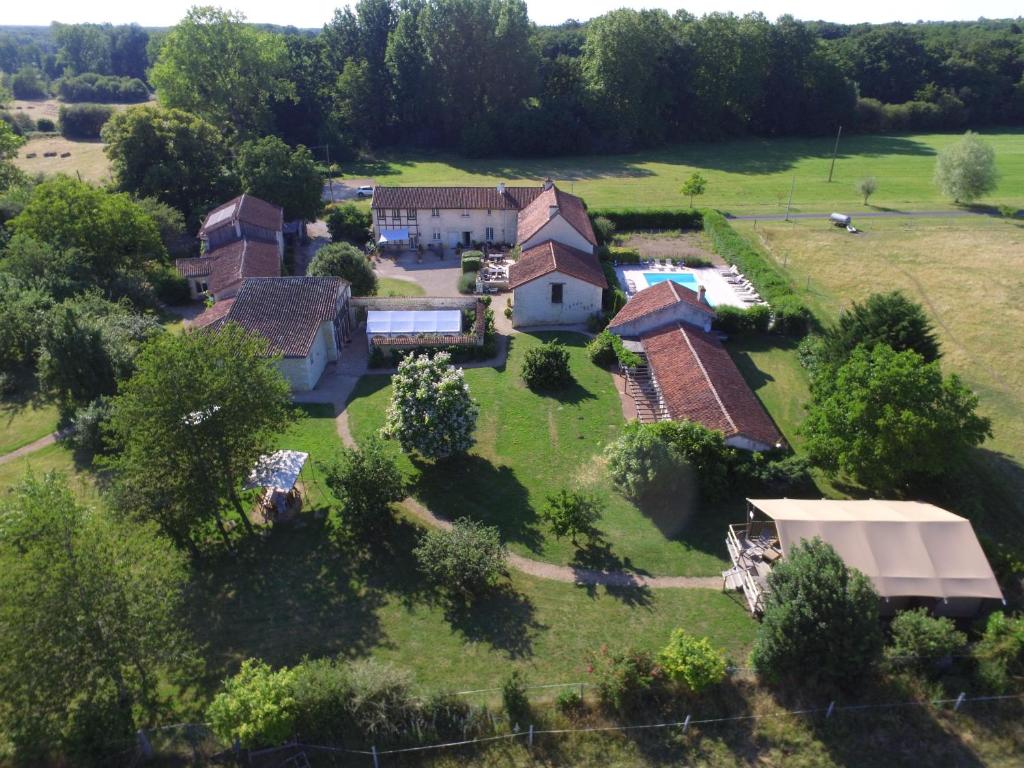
[
  {"x": 236, "y": 261},
  {"x": 199, "y": 267},
  {"x": 212, "y": 315},
  {"x": 700, "y": 382},
  {"x": 246, "y": 208},
  {"x": 552, "y": 256},
  {"x": 656, "y": 298},
  {"x": 287, "y": 311},
  {"x": 538, "y": 213},
  {"x": 466, "y": 198}
]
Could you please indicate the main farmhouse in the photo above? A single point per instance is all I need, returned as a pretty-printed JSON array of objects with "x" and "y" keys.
[{"x": 556, "y": 279}]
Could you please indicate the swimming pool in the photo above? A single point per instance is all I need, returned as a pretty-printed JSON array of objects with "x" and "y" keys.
[{"x": 683, "y": 278}]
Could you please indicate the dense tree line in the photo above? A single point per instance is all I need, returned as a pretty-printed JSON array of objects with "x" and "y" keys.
[{"x": 478, "y": 77}]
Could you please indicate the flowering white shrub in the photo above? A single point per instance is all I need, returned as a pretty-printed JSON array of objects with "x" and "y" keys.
[{"x": 431, "y": 411}]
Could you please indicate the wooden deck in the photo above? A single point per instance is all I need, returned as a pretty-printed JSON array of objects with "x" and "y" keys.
[{"x": 753, "y": 549}]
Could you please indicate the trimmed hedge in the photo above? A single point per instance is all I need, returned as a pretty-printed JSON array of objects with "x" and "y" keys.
[
  {"x": 628, "y": 219},
  {"x": 83, "y": 121},
  {"x": 93, "y": 87},
  {"x": 792, "y": 317},
  {"x": 736, "y": 320},
  {"x": 472, "y": 261}
]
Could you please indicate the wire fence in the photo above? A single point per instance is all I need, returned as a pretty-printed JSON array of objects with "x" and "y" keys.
[{"x": 203, "y": 743}]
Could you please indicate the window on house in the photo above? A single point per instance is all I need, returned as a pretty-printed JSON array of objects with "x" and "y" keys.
[
  {"x": 489, "y": 234},
  {"x": 396, "y": 213},
  {"x": 556, "y": 293},
  {"x": 465, "y": 213},
  {"x": 437, "y": 234},
  {"x": 411, "y": 214},
  {"x": 488, "y": 211},
  {"x": 202, "y": 287},
  {"x": 435, "y": 212}
]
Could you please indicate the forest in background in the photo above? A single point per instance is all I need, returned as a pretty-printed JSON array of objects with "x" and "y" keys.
[{"x": 478, "y": 77}]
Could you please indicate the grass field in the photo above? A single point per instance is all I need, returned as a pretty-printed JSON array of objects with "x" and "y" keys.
[
  {"x": 306, "y": 589},
  {"x": 748, "y": 176},
  {"x": 52, "y": 458},
  {"x": 22, "y": 422},
  {"x": 87, "y": 159},
  {"x": 390, "y": 286},
  {"x": 967, "y": 275},
  {"x": 531, "y": 445}
]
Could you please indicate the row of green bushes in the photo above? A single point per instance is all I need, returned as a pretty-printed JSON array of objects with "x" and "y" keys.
[
  {"x": 736, "y": 321},
  {"x": 792, "y": 317},
  {"x": 629, "y": 219},
  {"x": 83, "y": 121},
  {"x": 92, "y": 87}
]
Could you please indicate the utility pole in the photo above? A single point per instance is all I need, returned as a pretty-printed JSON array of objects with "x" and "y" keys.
[
  {"x": 327, "y": 153},
  {"x": 790, "y": 203},
  {"x": 835, "y": 149}
]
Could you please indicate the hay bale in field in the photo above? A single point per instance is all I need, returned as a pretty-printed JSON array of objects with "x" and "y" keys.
[
  {"x": 65, "y": 154},
  {"x": 30, "y": 155},
  {"x": 49, "y": 154}
]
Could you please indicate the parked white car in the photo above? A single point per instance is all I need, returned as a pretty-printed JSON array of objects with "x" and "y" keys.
[{"x": 364, "y": 192}]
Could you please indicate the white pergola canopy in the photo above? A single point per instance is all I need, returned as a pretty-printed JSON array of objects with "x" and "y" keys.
[
  {"x": 397, "y": 235},
  {"x": 381, "y": 322},
  {"x": 906, "y": 548},
  {"x": 278, "y": 471}
]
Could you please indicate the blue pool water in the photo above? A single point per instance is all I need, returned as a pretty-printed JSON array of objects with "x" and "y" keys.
[{"x": 683, "y": 278}]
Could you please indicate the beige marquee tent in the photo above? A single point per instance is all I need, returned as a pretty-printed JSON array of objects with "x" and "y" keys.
[{"x": 914, "y": 553}]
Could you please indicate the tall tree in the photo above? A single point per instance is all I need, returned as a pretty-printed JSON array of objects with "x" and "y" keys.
[
  {"x": 885, "y": 418},
  {"x": 109, "y": 231},
  {"x": 92, "y": 625},
  {"x": 171, "y": 155},
  {"x": 82, "y": 48},
  {"x": 197, "y": 442},
  {"x": 624, "y": 61},
  {"x": 270, "y": 169},
  {"x": 215, "y": 65},
  {"x": 883, "y": 318}
]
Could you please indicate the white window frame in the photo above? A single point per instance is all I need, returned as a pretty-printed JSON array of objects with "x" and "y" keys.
[
  {"x": 410, "y": 214},
  {"x": 437, "y": 234},
  {"x": 465, "y": 213},
  {"x": 489, "y": 234},
  {"x": 435, "y": 213}
]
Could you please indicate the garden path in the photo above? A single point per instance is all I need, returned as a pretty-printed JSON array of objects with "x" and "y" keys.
[
  {"x": 32, "y": 447},
  {"x": 550, "y": 571}
]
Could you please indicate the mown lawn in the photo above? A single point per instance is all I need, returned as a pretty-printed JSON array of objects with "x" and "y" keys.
[
  {"x": 530, "y": 445},
  {"x": 744, "y": 176},
  {"x": 304, "y": 590},
  {"x": 52, "y": 458},
  {"x": 390, "y": 286},
  {"x": 23, "y": 421},
  {"x": 770, "y": 366}
]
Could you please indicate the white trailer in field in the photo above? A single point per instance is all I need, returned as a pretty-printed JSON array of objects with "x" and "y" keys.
[{"x": 840, "y": 219}]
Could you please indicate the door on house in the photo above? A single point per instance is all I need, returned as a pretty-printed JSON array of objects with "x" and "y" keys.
[{"x": 467, "y": 238}]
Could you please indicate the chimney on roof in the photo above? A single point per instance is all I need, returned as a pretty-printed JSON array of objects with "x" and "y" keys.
[
  {"x": 548, "y": 183},
  {"x": 501, "y": 187},
  {"x": 701, "y": 290}
]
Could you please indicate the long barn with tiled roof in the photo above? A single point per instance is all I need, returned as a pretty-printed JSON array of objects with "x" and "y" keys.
[{"x": 688, "y": 375}]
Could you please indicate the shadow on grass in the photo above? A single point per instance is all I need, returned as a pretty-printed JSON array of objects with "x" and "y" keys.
[
  {"x": 503, "y": 618},
  {"x": 471, "y": 486},
  {"x": 572, "y": 394},
  {"x": 284, "y": 594},
  {"x": 598, "y": 556}
]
